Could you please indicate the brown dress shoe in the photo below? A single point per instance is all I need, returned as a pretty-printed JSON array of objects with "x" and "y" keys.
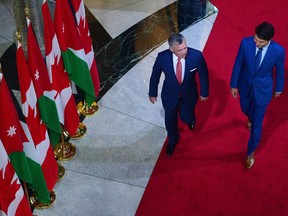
[
  {"x": 248, "y": 125},
  {"x": 250, "y": 160}
]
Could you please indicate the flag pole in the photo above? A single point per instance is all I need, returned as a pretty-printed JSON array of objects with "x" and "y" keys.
[
  {"x": 64, "y": 150},
  {"x": 24, "y": 185}
]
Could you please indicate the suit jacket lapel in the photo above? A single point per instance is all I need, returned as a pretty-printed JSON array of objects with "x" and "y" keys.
[
  {"x": 188, "y": 61},
  {"x": 252, "y": 54},
  {"x": 170, "y": 63}
]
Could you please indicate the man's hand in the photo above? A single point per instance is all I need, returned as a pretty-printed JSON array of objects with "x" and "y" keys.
[
  {"x": 234, "y": 92},
  {"x": 153, "y": 99},
  {"x": 203, "y": 98}
]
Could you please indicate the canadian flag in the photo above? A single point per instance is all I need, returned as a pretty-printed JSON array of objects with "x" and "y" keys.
[
  {"x": 66, "y": 106},
  {"x": 13, "y": 201},
  {"x": 43, "y": 87}
]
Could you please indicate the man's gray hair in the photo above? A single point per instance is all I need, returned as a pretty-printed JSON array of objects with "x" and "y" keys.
[{"x": 175, "y": 39}]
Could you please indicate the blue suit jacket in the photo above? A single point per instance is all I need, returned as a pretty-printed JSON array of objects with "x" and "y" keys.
[
  {"x": 171, "y": 89},
  {"x": 246, "y": 79}
]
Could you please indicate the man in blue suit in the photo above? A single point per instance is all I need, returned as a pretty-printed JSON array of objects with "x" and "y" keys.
[
  {"x": 258, "y": 57},
  {"x": 179, "y": 92}
]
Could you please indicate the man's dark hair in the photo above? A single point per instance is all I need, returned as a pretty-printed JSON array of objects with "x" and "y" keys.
[
  {"x": 175, "y": 38},
  {"x": 265, "y": 31}
]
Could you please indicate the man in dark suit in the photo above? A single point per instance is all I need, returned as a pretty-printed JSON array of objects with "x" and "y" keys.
[
  {"x": 252, "y": 77},
  {"x": 179, "y": 92}
]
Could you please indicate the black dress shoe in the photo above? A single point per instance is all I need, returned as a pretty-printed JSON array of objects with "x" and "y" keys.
[
  {"x": 192, "y": 125},
  {"x": 170, "y": 149}
]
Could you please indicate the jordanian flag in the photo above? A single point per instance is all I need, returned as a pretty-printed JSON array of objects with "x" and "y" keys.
[
  {"x": 12, "y": 197},
  {"x": 45, "y": 94},
  {"x": 66, "y": 106},
  {"x": 10, "y": 133},
  {"x": 38, "y": 148},
  {"x": 73, "y": 53},
  {"x": 87, "y": 42}
]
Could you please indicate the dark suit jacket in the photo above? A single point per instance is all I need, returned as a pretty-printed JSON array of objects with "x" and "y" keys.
[
  {"x": 246, "y": 79},
  {"x": 194, "y": 62}
]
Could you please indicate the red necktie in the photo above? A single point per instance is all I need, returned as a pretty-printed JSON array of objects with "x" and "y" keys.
[{"x": 179, "y": 71}]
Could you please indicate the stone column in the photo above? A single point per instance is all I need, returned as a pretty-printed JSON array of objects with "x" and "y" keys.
[
  {"x": 35, "y": 15},
  {"x": 21, "y": 24}
]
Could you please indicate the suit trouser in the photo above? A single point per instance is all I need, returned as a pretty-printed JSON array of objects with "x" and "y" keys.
[
  {"x": 171, "y": 120},
  {"x": 255, "y": 113}
]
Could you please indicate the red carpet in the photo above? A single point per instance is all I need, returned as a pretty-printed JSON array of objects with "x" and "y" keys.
[{"x": 206, "y": 175}]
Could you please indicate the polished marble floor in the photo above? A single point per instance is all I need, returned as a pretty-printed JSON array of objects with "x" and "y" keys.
[{"x": 117, "y": 155}]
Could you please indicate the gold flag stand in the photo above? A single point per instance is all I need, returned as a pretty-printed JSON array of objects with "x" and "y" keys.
[
  {"x": 80, "y": 132},
  {"x": 39, "y": 205},
  {"x": 84, "y": 109},
  {"x": 64, "y": 150},
  {"x": 61, "y": 172}
]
